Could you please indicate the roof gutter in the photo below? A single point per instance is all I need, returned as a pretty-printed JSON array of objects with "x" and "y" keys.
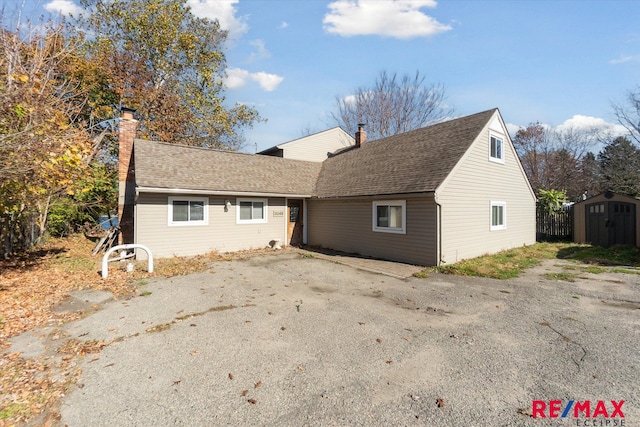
[
  {"x": 379, "y": 195},
  {"x": 218, "y": 193}
]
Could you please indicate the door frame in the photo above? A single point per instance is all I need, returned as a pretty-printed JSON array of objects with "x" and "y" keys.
[{"x": 302, "y": 220}]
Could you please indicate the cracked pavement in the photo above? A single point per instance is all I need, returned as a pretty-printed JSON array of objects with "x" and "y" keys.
[{"x": 283, "y": 339}]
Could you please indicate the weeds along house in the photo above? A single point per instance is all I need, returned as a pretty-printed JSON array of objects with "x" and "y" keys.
[{"x": 435, "y": 195}]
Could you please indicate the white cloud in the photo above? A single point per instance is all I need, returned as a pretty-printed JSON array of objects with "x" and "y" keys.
[
  {"x": 268, "y": 82},
  {"x": 621, "y": 60},
  {"x": 401, "y": 19},
  {"x": 580, "y": 122},
  {"x": 63, "y": 7},
  {"x": 512, "y": 129},
  {"x": 624, "y": 58},
  {"x": 283, "y": 25},
  {"x": 261, "y": 51},
  {"x": 237, "y": 78},
  {"x": 222, "y": 10},
  {"x": 349, "y": 100}
]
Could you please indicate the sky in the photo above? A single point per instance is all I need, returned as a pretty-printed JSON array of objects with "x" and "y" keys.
[{"x": 561, "y": 63}]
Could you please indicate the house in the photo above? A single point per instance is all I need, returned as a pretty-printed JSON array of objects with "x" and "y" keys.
[
  {"x": 435, "y": 195},
  {"x": 607, "y": 219},
  {"x": 314, "y": 148}
]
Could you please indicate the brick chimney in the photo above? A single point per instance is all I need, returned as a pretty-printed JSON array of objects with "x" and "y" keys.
[
  {"x": 361, "y": 135},
  {"x": 126, "y": 174}
]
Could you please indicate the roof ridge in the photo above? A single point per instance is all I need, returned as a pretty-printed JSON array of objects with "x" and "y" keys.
[
  {"x": 176, "y": 145},
  {"x": 449, "y": 121}
]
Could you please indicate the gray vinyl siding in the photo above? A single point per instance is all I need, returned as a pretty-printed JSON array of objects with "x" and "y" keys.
[
  {"x": 346, "y": 225},
  {"x": 466, "y": 197},
  {"x": 222, "y": 234}
]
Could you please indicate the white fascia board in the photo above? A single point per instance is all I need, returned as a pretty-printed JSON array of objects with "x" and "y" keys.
[{"x": 218, "y": 192}]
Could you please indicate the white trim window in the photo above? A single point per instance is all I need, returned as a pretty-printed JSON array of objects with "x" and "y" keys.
[
  {"x": 187, "y": 211},
  {"x": 251, "y": 211},
  {"x": 496, "y": 148},
  {"x": 498, "y": 216},
  {"x": 390, "y": 216}
]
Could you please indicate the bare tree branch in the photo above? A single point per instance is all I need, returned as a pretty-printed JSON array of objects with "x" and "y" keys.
[
  {"x": 393, "y": 105},
  {"x": 628, "y": 114}
]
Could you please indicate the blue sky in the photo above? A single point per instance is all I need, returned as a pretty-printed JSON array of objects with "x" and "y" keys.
[{"x": 561, "y": 63}]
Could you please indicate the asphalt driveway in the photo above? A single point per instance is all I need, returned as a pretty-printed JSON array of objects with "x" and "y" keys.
[{"x": 294, "y": 339}]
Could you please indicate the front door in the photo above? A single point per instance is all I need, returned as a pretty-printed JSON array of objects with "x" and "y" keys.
[{"x": 294, "y": 225}]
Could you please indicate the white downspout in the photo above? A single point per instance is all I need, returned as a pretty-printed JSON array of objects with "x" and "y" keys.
[
  {"x": 305, "y": 235},
  {"x": 439, "y": 230}
]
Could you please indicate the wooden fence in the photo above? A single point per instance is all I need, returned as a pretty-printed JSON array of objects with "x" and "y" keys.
[{"x": 554, "y": 226}]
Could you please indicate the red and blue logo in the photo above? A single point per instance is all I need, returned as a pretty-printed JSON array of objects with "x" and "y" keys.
[{"x": 611, "y": 411}]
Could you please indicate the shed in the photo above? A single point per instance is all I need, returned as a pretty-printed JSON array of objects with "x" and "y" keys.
[{"x": 607, "y": 219}]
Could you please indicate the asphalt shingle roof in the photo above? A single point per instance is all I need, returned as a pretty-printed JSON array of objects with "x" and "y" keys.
[
  {"x": 412, "y": 162},
  {"x": 172, "y": 166}
]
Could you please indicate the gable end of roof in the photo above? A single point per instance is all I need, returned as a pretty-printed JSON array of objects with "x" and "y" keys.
[{"x": 413, "y": 162}]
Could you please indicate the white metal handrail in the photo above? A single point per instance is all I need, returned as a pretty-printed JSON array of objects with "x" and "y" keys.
[{"x": 105, "y": 258}]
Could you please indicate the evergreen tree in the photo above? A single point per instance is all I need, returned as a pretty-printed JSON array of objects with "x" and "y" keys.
[{"x": 620, "y": 167}]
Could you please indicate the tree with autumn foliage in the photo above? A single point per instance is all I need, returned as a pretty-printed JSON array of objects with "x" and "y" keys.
[
  {"x": 43, "y": 144},
  {"x": 168, "y": 65}
]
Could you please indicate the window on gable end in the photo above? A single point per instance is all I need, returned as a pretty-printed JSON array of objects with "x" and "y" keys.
[{"x": 496, "y": 149}]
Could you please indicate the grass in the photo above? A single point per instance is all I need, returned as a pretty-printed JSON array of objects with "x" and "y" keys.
[
  {"x": 422, "y": 274},
  {"x": 13, "y": 410},
  {"x": 593, "y": 269},
  {"x": 624, "y": 270},
  {"x": 503, "y": 265},
  {"x": 511, "y": 263},
  {"x": 565, "y": 277},
  {"x": 613, "y": 256}
]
